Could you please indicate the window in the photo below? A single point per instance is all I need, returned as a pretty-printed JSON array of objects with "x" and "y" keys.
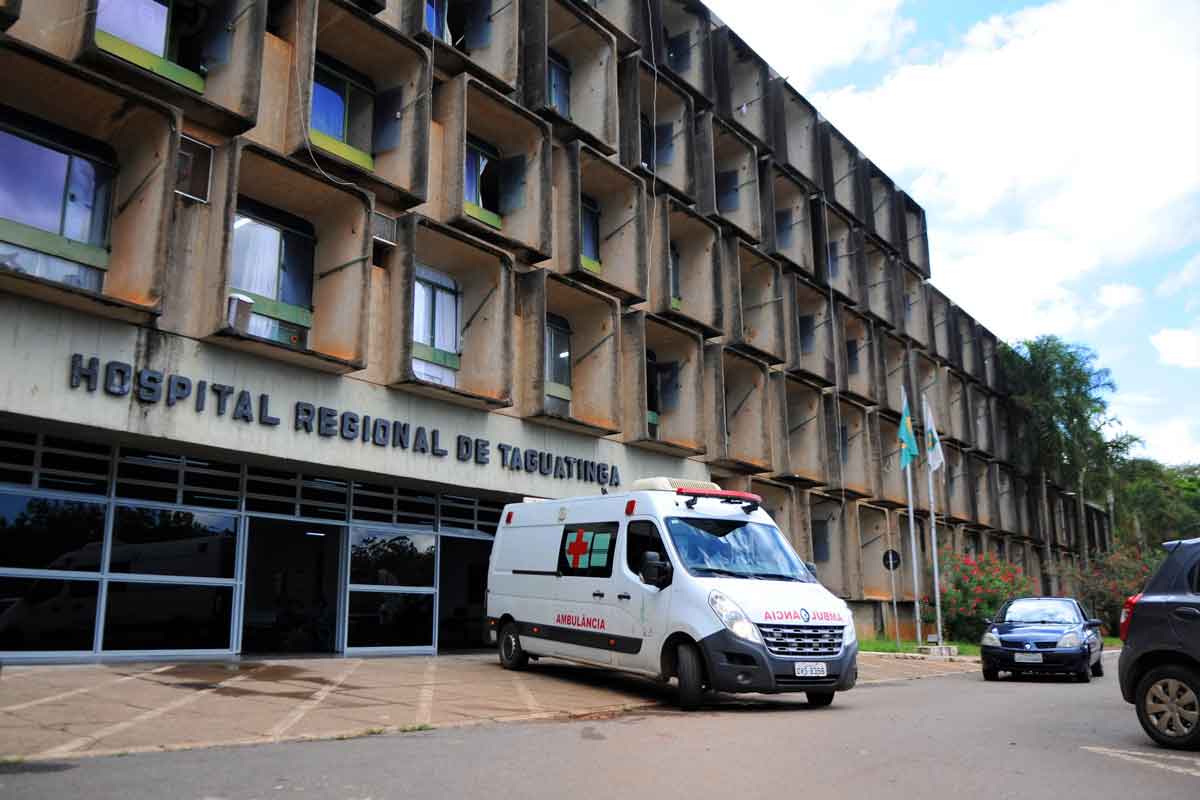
[
  {"x": 436, "y": 338},
  {"x": 54, "y": 209},
  {"x": 845, "y": 443},
  {"x": 391, "y": 558},
  {"x": 481, "y": 192},
  {"x": 590, "y": 233},
  {"x": 435, "y": 19},
  {"x": 727, "y": 191},
  {"x": 46, "y": 533},
  {"x": 783, "y": 229},
  {"x": 587, "y": 549},
  {"x": 273, "y": 266},
  {"x": 658, "y": 144},
  {"x": 558, "y": 364},
  {"x": 808, "y": 333},
  {"x": 559, "y": 80},
  {"x": 676, "y": 278},
  {"x": 679, "y": 50},
  {"x": 662, "y": 390},
  {"x": 178, "y": 40},
  {"x": 343, "y": 111},
  {"x": 640, "y": 538},
  {"x": 833, "y": 260},
  {"x": 852, "y": 349},
  {"x": 153, "y": 541},
  {"x": 820, "y": 537},
  {"x": 1194, "y": 581},
  {"x": 193, "y": 168}
]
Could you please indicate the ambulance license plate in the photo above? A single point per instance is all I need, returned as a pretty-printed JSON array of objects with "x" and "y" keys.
[
  {"x": 1027, "y": 658},
  {"x": 810, "y": 669}
]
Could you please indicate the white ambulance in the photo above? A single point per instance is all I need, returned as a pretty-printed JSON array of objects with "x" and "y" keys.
[{"x": 671, "y": 579}]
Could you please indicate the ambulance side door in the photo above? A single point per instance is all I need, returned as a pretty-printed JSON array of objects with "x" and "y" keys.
[
  {"x": 582, "y": 616},
  {"x": 645, "y": 608}
]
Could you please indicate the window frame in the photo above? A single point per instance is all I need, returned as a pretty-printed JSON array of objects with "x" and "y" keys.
[
  {"x": 589, "y": 209},
  {"x": 556, "y": 324},
  {"x": 573, "y": 529},
  {"x": 349, "y": 80},
  {"x": 274, "y": 308},
  {"x": 474, "y": 206},
  {"x": 629, "y": 533},
  {"x": 676, "y": 277},
  {"x": 431, "y": 353},
  {"x": 165, "y": 65},
  {"x": 560, "y": 67}
]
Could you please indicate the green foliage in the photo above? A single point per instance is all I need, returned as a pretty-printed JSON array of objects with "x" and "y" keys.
[
  {"x": 1112, "y": 577},
  {"x": 973, "y": 589},
  {"x": 1165, "y": 501}
]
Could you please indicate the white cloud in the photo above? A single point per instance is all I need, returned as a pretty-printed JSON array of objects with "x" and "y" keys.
[
  {"x": 1185, "y": 276},
  {"x": 1171, "y": 440},
  {"x": 811, "y": 38},
  {"x": 1116, "y": 296},
  {"x": 1049, "y": 144},
  {"x": 1178, "y": 347}
]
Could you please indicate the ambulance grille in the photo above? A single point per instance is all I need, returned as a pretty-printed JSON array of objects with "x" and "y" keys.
[{"x": 797, "y": 641}]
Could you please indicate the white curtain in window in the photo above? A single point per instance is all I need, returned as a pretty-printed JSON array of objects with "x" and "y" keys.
[
  {"x": 434, "y": 373},
  {"x": 422, "y": 308},
  {"x": 446, "y": 335},
  {"x": 255, "y": 257},
  {"x": 139, "y": 22}
]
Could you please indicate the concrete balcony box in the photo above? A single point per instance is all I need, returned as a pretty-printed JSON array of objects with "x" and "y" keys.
[
  {"x": 340, "y": 215},
  {"x": 684, "y": 49},
  {"x": 882, "y": 291},
  {"x": 787, "y": 218},
  {"x": 657, "y": 129},
  {"x": 662, "y": 385},
  {"x": 839, "y": 252},
  {"x": 215, "y": 85},
  {"x": 834, "y": 524},
  {"x": 989, "y": 347},
  {"x": 914, "y": 311},
  {"x": 803, "y": 450},
  {"x": 1008, "y": 501},
  {"x": 385, "y": 146},
  {"x": 980, "y": 474},
  {"x": 928, "y": 382},
  {"x": 480, "y": 373},
  {"x": 590, "y": 402},
  {"x": 876, "y": 538},
  {"x": 893, "y": 372},
  {"x": 561, "y": 33},
  {"x": 859, "y": 360},
  {"x": 784, "y": 504},
  {"x": 10, "y": 10},
  {"x": 843, "y": 170},
  {"x": 743, "y": 81},
  {"x": 885, "y": 444},
  {"x": 943, "y": 340},
  {"x": 616, "y": 200},
  {"x": 685, "y": 266},
  {"x": 521, "y": 213},
  {"x": 736, "y": 404},
  {"x": 479, "y": 37},
  {"x": 135, "y": 134},
  {"x": 981, "y": 414},
  {"x": 958, "y": 398},
  {"x": 628, "y": 20},
  {"x": 969, "y": 349},
  {"x": 880, "y": 193},
  {"x": 1002, "y": 445},
  {"x": 849, "y": 448},
  {"x": 960, "y": 492},
  {"x": 796, "y": 134},
  {"x": 727, "y": 190},
  {"x": 916, "y": 233},
  {"x": 754, "y": 301},
  {"x": 811, "y": 332}
]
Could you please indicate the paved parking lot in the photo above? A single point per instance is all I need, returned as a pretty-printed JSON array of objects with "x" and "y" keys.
[{"x": 49, "y": 712}]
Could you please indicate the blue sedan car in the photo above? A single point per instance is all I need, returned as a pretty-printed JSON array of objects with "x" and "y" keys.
[{"x": 1044, "y": 635}]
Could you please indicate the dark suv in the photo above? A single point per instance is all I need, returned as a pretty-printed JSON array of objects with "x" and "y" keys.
[{"x": 1160, "y": 664}]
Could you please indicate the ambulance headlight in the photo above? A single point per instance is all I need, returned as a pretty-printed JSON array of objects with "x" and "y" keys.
[
  {"x": 849, "y": 635},
  {"x": 733, "y": 618}
]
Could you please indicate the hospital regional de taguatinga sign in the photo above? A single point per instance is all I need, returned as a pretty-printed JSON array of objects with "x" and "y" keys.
[{"x": 238, "y": 405}]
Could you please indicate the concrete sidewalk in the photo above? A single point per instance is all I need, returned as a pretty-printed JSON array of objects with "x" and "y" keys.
[{"x": 49, "y": 712}]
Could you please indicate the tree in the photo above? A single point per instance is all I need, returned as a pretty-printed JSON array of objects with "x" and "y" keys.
[{"x": 1157, "y": 503}]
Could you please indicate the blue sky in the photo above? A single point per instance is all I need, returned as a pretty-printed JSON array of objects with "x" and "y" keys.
[{"x": 1055, "y": 147}]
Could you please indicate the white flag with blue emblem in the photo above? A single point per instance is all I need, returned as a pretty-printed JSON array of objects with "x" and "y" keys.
[{"x": 933, "y": 445}]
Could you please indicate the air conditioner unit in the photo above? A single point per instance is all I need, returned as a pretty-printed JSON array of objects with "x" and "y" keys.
[
  {"x": 384, "y": 228},
  {"x": 193, "y": 169},
  {"x": 238, "y": 312}
]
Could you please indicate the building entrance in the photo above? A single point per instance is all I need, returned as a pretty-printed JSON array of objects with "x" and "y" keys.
[
  {"x": 292, "y": 587},
  {"x": 462, "y": 593}
]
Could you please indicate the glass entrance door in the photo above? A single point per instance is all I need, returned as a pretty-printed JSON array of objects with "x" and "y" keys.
[{"x": 292, "y": 587}]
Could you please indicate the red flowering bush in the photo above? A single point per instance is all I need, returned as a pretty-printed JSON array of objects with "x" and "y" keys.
[
  {"x": 973, "y": 589},
  {"x": 1112, "y": 577}
]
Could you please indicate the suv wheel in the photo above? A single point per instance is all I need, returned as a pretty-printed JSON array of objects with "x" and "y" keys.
[{"x": 1168, "y": 706}]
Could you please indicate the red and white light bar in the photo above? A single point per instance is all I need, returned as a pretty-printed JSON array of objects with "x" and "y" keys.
[{"x": 720, "y": 494}]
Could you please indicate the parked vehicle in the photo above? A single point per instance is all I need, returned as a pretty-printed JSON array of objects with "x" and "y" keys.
[
  {"x": 1159, "y": 669},
  {"x": 673, "y": 579},
  {"x": 1045, "y": 635}
]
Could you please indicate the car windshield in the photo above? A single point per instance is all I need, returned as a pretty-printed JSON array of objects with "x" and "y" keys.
[
  {"x": 735, "y": 549},
  {"x": 1062, "y": 611}
]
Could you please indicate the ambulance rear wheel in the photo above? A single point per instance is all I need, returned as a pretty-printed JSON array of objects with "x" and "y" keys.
[
  {"x": 691, "y": 677},
  {"x": 512, "y": 656}
]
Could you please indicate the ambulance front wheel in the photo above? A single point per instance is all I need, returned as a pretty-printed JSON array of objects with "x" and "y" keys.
[
  {"x": 691, "y": 676},
  {"x": 512, "y": 656}
]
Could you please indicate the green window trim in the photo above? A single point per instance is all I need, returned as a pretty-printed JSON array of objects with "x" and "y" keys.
[
  {"x": 342, "y": 150},
  {"x": 149, "y": 61},
  {"x": 53, "y": 244},
  {"x": 433, "y": 355},
  {"x": 652, "y": 417},
  {"x": 559, "y": 390},
  {"x": 284, "y": 312},
  {"x": 676, "y": 303},
  {"x": 590, "y": 264},
  {"x": 483, "y": 215}
]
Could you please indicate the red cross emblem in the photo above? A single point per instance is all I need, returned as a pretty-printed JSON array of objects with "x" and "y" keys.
[{"x": 577, "y": 549}]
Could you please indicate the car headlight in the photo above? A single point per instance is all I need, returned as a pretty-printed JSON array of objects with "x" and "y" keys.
[
  {"x": 1069, "y": 640},
  {"x": 990, "y": 639},
  {"x": 733, "y": 618}
]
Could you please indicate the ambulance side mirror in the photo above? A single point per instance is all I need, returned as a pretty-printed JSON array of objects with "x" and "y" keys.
[{"x": 655, "y": 571}]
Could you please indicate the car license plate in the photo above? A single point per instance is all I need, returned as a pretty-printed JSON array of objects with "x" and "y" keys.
[
  {"x": 1027, "y": 658},
  {"x": 808, "y": 669}
]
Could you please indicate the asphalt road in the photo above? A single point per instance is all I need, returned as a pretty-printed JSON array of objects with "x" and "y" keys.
[{"x": 951, "y": 737}]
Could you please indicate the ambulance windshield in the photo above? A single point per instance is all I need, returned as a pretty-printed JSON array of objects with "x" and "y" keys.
[{"x": 730, "y": 548}]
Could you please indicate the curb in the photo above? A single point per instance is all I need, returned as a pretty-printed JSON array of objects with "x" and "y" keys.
[{"x": 920, "y": 657}]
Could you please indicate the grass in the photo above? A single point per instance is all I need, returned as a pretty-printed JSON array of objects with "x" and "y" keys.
[
  {"x": 889, "y": 646},
  {"x": 1113, "y": 643}
]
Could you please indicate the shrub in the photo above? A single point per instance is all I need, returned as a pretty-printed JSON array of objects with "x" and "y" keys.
[
  {"x": 973, "y": 589},
  {"x": 1113, "y": 577}
]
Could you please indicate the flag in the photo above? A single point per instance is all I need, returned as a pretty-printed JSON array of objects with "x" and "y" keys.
[
  {"x": 907, "y": 439},
  {"x": 933, "y": 444}
]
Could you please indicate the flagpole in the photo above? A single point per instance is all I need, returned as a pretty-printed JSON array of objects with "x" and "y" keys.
[
  {"x": 937, "y": 583},
  {"x": 912, "y": 535},
  {"x": 895, "y": 602}
]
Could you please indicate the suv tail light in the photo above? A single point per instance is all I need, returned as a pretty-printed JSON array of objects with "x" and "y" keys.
[{"x": 1127, "y": 614}]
